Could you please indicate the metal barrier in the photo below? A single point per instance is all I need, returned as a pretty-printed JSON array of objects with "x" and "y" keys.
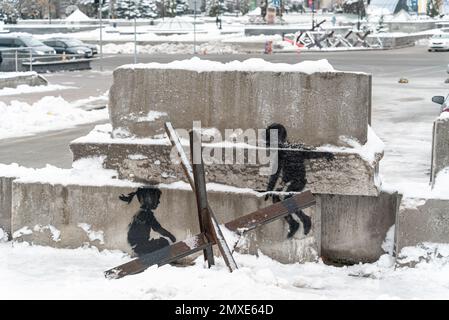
[
  {"x": 16, "y": 58},
  {"x": 16, "y": 54}
]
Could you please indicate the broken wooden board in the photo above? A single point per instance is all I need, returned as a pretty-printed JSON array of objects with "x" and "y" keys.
[
  {"x": 221, "y": 242},
  {"x": 266, "y": 215},
  {"x": 199, "y": 242},
  {"x": 160, "y": 257}
]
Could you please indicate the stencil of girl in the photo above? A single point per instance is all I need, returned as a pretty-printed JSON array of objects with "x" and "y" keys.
[{"x": 144, "y": 220}]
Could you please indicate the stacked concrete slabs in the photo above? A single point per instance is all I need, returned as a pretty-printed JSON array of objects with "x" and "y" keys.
[{"x": 316, "y": 108}]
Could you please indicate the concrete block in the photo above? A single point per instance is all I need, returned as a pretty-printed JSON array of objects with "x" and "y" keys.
[
  {"x": 5, "y": 203},
  {"x": 354, "y": 227},
  {"x": 315, "y": 108},
  {"x": 26, "y": 78},
  {"x": 348, "y": 173},
  {"x": 440, "y": 147},
  {"x": 422, "y": 220},
  {"x": 48, "y": 210}
]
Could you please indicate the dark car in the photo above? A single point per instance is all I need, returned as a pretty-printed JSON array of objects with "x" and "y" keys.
[
  {"x": 25, "y": 44},
  {"x": 69, "y": 46},
  {"x": 444, "y": 102}
]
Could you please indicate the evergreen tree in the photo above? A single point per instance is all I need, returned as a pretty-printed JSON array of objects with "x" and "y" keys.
[{"x": 432, "y": 10}]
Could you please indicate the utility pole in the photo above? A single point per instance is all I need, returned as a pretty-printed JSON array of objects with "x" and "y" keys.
[
  {"x": 194, "y": 27},
  {"x": 100, "y": 12},
  {"x": 135, "y": 32},
  {"x": 49, "y": 11}
]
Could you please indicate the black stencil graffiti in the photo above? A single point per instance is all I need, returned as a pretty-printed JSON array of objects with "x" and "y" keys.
[
  {"x": 292, "y": 171},
  {"x": 144, "y": 220}
]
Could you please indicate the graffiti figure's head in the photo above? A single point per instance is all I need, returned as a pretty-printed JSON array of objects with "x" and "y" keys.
[
  {"x": 281, "y": 134},
  {"x": 148, "y": 197}
]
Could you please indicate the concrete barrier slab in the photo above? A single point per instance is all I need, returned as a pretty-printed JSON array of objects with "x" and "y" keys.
[
  {"x": 422, "y": 220},
  {"x": 71, "y": 216},
  {"x": 316, "y": 108},
  {"x": 149, "y": 161},
  {"x": 354, "y": 227}
]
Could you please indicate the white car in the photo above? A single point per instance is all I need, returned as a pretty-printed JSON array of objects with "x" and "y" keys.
[{"x": 439, "y": 42}]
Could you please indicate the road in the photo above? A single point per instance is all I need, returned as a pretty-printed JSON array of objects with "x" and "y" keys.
[{"x": 400, "y": 111}]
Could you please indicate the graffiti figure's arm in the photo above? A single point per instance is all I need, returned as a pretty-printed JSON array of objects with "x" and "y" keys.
[
  {"x": 163, "y": 232},
  {"x": 317, "y": 155}
]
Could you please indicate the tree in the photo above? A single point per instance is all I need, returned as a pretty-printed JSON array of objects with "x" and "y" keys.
[
  {"x": 8, "y": 11},
  {"x": 432, "y": 10}
]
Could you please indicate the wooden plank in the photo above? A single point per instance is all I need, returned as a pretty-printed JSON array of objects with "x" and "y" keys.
[
  {"x": 278, "y": 210},
  {"x": 160, "y": 257},
  {"x": 221, "y": 242},
  {"x": 201, "y": 197}
]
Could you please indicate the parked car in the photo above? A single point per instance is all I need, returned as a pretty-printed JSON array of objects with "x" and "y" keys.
[
  {"x": 439, "y": 42},
  {"x": 444, "y": 102},
  {"x": 24, "y": 44},
  {"x": 69, "y": 46}
]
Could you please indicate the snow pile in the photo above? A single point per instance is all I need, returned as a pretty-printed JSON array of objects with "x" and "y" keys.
[
  {"x": 249, "y": 65},
  {"x": 77, "y": 15},
  {"x": 23, "y": 89},
  {"x": 423, "y": 254},
  {"x": 170, "y": 48},
  {"x": 49, "y": 113},
  {"x": 78, "y": 273}
]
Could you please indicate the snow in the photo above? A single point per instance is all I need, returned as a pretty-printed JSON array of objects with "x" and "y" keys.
[
  {"x": 170, "y": 48},
  {"x": 49, "y": 113},
  {"x": 55, "y": 233},
  {"x": 388, "y": 244},
  {"x": 78, "y": 273},
  {"x": 249, "y": 65},
  {"x": 24, "y": 89},
  {"x": 369, "y": 151},
  {"x": 8, "y": 75},
  {"x": 93, "y": 235},
  {"x": 3, "y": 236},
  {"x": 22, "y": 231},
  {"x": 78, "y": 15}
]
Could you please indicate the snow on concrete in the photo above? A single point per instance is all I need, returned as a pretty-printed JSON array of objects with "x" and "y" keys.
[
  {"x": 55, "y": 233},
  {"x": 93, "y": 235},
  {"x": 8, "y": 75},
  {"x": 249, "y": 65},
  {"x": 3, "y": 236},
  {"x": 78, "y": 274},
  {"x": 369, "y": 151},
  {"x": 24, "y": 89},
  {"x": 87, "y": 171},
  {"x": 49, "y": 113}
]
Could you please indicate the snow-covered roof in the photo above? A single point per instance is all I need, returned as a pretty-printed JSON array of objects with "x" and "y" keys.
[{"x": 78, "y": 15}]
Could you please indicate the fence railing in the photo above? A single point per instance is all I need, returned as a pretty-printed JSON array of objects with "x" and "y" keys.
[
  {"x": 18, "y": 58},
  {"x": 18, "y": 54}
]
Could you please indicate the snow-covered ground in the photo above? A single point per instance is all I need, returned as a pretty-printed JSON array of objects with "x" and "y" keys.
[
  {"x": 34, "y": 272},
  {"x": 49, "y": 113}
]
